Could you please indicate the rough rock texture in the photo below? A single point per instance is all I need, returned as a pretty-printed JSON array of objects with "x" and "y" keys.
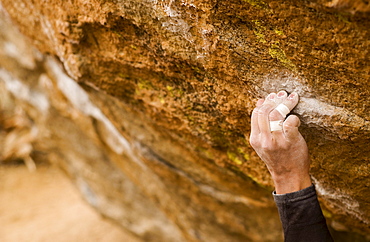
[{"x": 154, "y": 133}]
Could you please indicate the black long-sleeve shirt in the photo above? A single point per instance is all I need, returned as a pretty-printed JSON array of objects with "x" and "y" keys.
[{"x": 301, "y": 216}]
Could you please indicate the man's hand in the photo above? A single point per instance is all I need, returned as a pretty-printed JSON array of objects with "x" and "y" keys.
[{"x": 285, "y": 151}]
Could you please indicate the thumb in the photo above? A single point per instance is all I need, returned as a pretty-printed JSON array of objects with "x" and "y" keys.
[{"x": 290, "y": 127}]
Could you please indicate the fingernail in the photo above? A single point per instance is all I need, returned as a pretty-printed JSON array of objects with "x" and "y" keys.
[
  {"x": 292, "y": 96},
  {"x": 281, "y": 94},
  {"x": 271, "y": 96}
]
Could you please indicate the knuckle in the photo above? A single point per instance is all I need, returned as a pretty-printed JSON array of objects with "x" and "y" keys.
[
  {"x": 263, "y": 111},
  {"x": 285, "y": 147},
  {"x": 280, "y": 146},
  {"x": 267, "y": 146},
  {"x": 275, "y": 115},
  {"x": 288, "y": 126},
  {"x": 254, "y": 142},
  {"x": 255, "y": 110},
  {"x": 260, "y": 111}
]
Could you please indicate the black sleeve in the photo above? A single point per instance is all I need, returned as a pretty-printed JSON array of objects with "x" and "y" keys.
[{"x": 301, "y": 216}]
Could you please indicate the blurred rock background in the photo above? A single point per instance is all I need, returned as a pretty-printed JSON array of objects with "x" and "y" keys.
[
  {"x": 44, "y": 206},
  {"x": 38, "y": 201}
]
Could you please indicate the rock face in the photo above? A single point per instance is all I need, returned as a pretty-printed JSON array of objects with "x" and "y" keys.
[{"x": 146, "y": 105}]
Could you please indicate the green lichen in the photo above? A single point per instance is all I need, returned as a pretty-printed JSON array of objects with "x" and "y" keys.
[
  {"x": 243, "y": 153},
  {"x": 190, "y": 118},
  {"x": 205, "y": 152},
  {"x": 196, "y": 69},
  {"x": 326, "y": 213},
  {"x": 144, "y": 84},
  {"x": 276, "y": 52},
  {"x": 118, "y": 34},
  {"x": 258, "y": 182},
  {"x": 174, "y": 92},
  {"x": 122, "y": 75},
  {"x": 234, "y": 157},
  {"x": 259, "y": 31},
  {"x": 343, "y": 18},
  {"x": 258, "y": 3},
  {"x": 278, "y": 32},
  {"x": 260, "y": 37},
  {"x": 237, "y": 170},
  {"x": 162, "y": 100}
]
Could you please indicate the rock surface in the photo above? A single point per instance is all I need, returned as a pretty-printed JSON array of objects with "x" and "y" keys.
[
  {"x": 146, "y": 106},
  {"x": 43, "y": 205}
]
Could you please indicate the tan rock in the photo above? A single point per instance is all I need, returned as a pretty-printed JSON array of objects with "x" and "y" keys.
[{"x": 154, "y": 132}]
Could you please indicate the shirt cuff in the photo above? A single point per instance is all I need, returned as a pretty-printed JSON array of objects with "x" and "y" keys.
[{"x": 295, "y": 196}]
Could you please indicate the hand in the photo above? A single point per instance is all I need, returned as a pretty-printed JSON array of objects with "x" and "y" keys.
[{"x": 285, "y": 151}]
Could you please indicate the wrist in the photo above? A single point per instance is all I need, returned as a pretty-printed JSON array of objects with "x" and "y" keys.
[{"x": 288, "y": 184}]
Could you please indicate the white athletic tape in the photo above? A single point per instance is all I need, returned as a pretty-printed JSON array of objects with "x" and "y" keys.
[
  {"x": 282, "y": 109},
  {"x": 276, "y": 125}
]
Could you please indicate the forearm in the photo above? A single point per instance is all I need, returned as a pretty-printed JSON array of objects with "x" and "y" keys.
[{"x": 301, "y": 216}]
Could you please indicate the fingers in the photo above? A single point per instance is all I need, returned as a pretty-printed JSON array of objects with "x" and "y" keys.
[
  {"x": 260, "y": 102},
  {"x": 266, "y": 112},
  {"x": 263, "y": 108},
  {"x": 290, "y": 102},
  {"x": 254, "y": 120},
  {"x": 255, "y": 130},
  {"x": 263, "y": 115},
  {"x": 280, "y": 97},
  {"x": 290, "y": 127}
]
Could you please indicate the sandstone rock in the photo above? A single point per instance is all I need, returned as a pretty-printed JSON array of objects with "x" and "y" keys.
[{"x": 149, "y": 107}]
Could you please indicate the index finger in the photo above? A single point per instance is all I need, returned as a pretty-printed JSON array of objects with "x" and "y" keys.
[
  {"x": 254, "y": 119},
  {"x": 263, "y": 116}
]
